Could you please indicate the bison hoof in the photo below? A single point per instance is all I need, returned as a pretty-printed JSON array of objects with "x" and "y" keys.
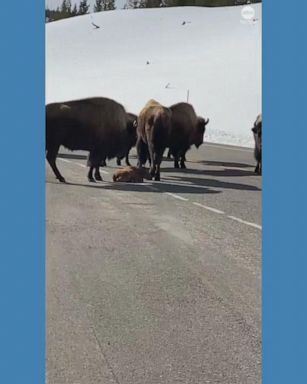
[
  {"x": 98, "y": 178},
  {"x": 128, "y": 164},
  {"x": 176, "y": 165},
  {"x": 183, "y": 166},
  {"x": 91, "y": 180},
  {"x": 61, "y": 180}
]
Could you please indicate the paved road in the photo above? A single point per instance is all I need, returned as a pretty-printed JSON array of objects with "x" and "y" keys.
[{"x": 158, "y": 282}]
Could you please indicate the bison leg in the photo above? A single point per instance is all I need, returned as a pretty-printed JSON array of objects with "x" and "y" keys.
[
  {"x": 51, "y": 157},
  {"x": 169, "y": 154},
  {"x": 157, "y": 174},
  {"x": 157, "y": 161},
  {"x": 258, "y": 169},
  {"x": 176, "y": 161},
  {"x": 153, "y": 161},
  {"x": 97, "y": 174},
  {"x": 118, "y": 161},
  {"x": 90, "y": 175},
  {"x": 127, "y": 160},
  {"x": 182, "y": 162},
  {"x": 142, "y": 152},
  {"x": 95, "y": 159},
  {"x": 103, "y": 163},
  {"x": 176, "y": 156}
]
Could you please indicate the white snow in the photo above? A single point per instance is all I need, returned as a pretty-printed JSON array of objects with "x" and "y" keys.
[{"x": 216, "y": 55}]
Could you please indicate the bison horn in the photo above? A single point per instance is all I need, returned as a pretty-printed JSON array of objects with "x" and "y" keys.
[
  {"x": 206, "y": 121},
  {"x": 135, "y": 123}
]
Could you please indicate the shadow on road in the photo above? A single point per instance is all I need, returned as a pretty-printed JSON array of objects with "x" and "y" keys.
[
  {"x": 72, "y": 156},
  {"x": 224, "y": 164},
  {"x": 213, "y": 183},
  {"x": 210, "y": 172},
  {"x": 163, "y": 186}
]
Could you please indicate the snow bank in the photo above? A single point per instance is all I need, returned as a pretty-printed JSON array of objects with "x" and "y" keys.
[{"x": 136, "y": 55}]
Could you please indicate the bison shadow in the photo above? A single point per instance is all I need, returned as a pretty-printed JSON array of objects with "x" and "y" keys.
[
  {"x": 154, "y": 187},
  {"x": 72, "y": 156},
  {"x": 224, "y": 164},
  {"x": 211, "y": 172},
  {"x": 213, "y": 183}
]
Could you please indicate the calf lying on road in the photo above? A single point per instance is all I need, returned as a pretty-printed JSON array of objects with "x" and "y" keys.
[{"x": 131, "y": 175}]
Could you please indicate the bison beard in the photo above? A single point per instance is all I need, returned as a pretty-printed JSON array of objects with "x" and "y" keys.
[
  {"x": 154, "y": 125},
  {"x": 97, "y": 125}
]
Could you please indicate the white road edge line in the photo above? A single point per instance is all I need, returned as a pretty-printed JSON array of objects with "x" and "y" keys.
[
  {"x": 245, "y": 222},
  {"x": 150, "y": 187},
  {"x": 176, "y": 196},
  {"x": 82, "y": 165},
  {"x": 209, "y": 208},
  {"x": 183, "y": 199},
  {"x": 65, "y": 161},
  {"x": 230, "y": 148}
]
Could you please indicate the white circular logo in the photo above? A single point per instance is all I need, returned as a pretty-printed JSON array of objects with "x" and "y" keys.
[{"x": 248, "y": 12}]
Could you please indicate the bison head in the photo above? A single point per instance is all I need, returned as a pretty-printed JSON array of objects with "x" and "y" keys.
[
  {"x": 131, "y": 129},
  {"x": 257, "y": 131},
  {"x": 198, "y": 136}
]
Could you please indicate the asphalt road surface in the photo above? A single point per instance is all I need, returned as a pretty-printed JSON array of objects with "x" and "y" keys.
[{"x": 155, "y": 283}]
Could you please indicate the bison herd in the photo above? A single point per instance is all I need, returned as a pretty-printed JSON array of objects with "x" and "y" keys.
[{"x": 102, "y": 127}]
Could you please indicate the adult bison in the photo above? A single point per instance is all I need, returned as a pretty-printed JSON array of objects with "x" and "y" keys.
[
  {"x": 130, "y": 142},
  {"x": 257, "y": 131},
  {"x": 187, "y": 129},
  {"x": 153, "y": 130},
  {"x": 97, "y": 125}
]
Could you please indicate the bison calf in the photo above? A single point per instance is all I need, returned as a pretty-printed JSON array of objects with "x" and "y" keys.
[{"x": 131, "y": 175}]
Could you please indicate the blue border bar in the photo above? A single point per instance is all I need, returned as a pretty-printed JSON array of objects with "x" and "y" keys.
[
  {"x": 22, "y": 280},
  {"x": 285, "y": 196}
]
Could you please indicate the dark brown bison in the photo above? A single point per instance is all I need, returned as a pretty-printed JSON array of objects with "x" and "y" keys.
[
  {"x": 153, "y": 130},
  {"x": 131, "y": 175},
  {"x": 131, "y": 140},
  {"x": 187, "y": 129},
  {"x": 97, "y": 125},
  {"x": 257, "y": 131}
]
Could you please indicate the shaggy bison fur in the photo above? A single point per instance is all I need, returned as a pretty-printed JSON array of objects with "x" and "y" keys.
[
  {"x": 153, "y": 130},
  {"x": 187, "y": 129},
  {"x": 131, "y": 175},
  {"x": 131, "y": 140},
  {"x": 97, "y": 125}
]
